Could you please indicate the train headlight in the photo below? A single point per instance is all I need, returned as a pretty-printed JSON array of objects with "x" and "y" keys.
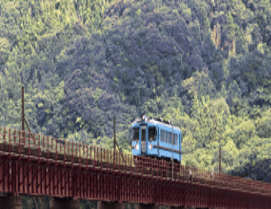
[
  {"x": 137, "y": 147},
  {"x": 150, "y": 146}
]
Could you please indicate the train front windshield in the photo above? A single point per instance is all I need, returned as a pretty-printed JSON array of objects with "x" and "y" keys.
[
  {"x": 135, "y": 134},
  {"x": 151, "y": 136},
  {"x": 152, "y": 133}
]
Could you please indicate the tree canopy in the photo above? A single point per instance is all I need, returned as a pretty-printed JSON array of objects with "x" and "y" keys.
[{"x": 203, "y": 64}]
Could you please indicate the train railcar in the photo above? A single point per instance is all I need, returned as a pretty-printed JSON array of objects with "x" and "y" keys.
[{"x": 156, "y": 138}]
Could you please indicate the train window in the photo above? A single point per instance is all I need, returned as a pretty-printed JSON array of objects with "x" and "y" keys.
[
  {"x": 161, "y": 135},
  {"x": 165, "y": 136},
  {"x": 135, "y": 134},
  {"x": 175, "y": 139},
  {"x": 152, "y": 133}
]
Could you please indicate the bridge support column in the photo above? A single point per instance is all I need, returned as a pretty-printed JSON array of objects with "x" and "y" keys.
[
  {"x": 143, "y": 206},
  {"x": 64, "y": 203},
  {"x": 11, "y": 202},
  {"x": 110, "y": 205}
]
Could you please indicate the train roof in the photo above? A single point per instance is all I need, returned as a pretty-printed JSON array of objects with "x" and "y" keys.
[{"x": 156, "y": 121}]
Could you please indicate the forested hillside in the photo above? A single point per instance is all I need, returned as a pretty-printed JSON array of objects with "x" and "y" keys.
[{"x": 204, "y": 64}]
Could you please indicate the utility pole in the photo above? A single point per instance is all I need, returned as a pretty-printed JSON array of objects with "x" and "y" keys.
[
  {"x": 114, "y": 134},
  {"x": 23, "y": 134},
  {"x": 115, "y": 143},
  {"x": 219, "y": 159},
  {"x": 172, "y": 150},
  {"x": 22, "y": 108},
  {"x": 23, "y": 118}
]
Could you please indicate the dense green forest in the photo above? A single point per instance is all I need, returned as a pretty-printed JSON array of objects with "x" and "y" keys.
[{"x": 203, "y": 64}]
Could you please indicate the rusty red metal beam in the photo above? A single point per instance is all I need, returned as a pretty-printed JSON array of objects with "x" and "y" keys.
[{"x": 57, "y": 168}]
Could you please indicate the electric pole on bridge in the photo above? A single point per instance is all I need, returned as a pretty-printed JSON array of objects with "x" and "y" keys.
[
  {"x": 115, "y": 143},
  {"x": 219, "y": 159},
  {"x": 114, "y": 135},
  {"x": 23, "y": 134},
  {"x": 22, "y": 108}
]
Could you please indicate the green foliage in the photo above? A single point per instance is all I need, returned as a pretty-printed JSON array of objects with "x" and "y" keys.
[{"x": 203, "y": 65}]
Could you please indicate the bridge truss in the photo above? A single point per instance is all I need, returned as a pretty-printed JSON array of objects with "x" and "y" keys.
[{"x": 33, "y": 164}]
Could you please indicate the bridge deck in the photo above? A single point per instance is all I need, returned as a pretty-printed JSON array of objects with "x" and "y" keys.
[
  {"x": 46, "y": 157},
  {"x": 40, "y": 165}
]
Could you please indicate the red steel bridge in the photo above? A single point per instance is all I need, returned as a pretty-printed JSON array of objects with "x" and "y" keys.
[{"x": 37, "y": 165}]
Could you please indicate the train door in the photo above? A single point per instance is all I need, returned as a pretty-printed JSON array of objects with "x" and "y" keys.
[
  {"x": 143, "y": 139},
  {"x": 136, "y": 141}
]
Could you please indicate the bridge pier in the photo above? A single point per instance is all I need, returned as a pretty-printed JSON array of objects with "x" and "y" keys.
[
  {"x": 11, "y": 202},
  {"x": 64, "y": 203},
  {"x": 110, "y": 205},
  {"x": 150, "y": 206}
]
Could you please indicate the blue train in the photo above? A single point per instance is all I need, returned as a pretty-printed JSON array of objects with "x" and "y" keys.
[{"x": 156, "y": 138}]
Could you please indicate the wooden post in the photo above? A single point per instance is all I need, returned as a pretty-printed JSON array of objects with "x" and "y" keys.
[
  {"x": 114, "y": 135},
  {"x": 219, "y": 159},
  {"x": 23, "y": 134},
  {"x": 22, "y": 108},
  {"x": 172, "y": 141}
]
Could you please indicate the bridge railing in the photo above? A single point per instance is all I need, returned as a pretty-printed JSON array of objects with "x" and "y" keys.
[
  {"x": 50, "y": 148},
  {"x": 45, "y": 146}
]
